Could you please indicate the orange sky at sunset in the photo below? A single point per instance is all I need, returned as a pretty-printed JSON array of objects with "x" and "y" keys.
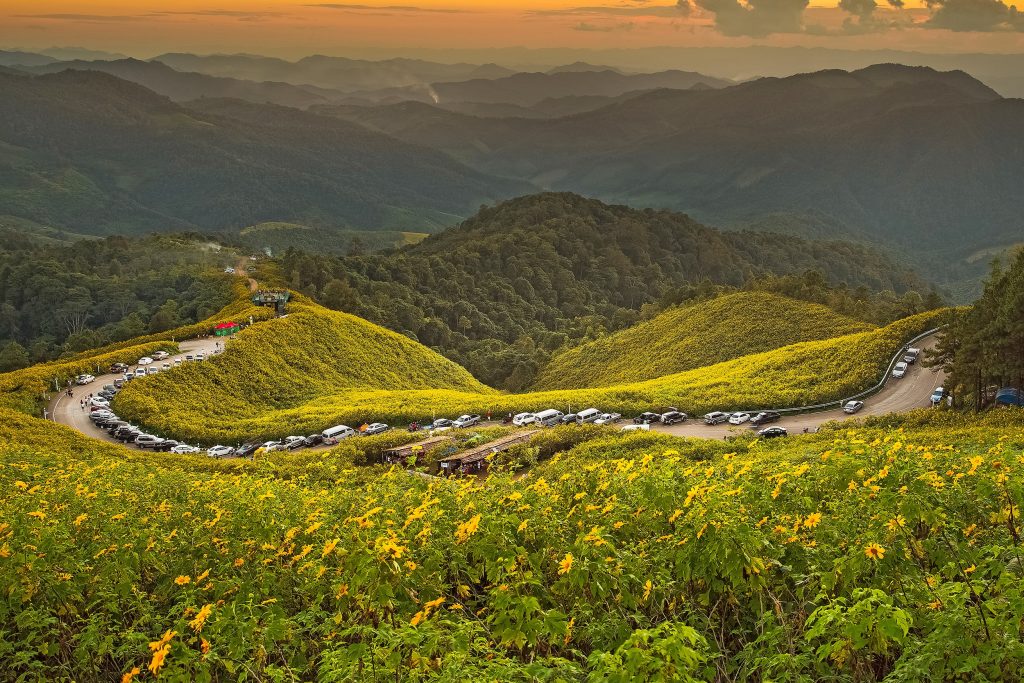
[{"x": 292, "y": 29}]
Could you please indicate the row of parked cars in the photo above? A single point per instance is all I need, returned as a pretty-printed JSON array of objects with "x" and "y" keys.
[{"x": 901, "y": 368}]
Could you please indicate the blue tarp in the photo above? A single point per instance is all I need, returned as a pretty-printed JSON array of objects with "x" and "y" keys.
[{"x": 1010, "y": 396}]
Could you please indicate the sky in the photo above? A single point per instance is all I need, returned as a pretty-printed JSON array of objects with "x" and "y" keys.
[{"x": 290, "y": 28}]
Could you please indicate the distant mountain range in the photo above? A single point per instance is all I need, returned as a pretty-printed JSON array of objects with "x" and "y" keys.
[
  {"x": 86, "y": 152},
  {"x": 927, "y": 162}
]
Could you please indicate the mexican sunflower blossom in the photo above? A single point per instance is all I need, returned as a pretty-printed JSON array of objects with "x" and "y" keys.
[
  {"x": 566, "y": 564},
  {"x": 161, "y": 648},
  {"x": 183, "y": 580},
  {"x": 467, "y": 529},
  {"x": 874, "y": 551},
  {"x": 128, "y": 677},
  {"x": 199, "y": 621},
  {"x": 812, "y": 520}
]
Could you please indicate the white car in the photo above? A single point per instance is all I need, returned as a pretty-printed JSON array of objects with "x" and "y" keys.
[
  {"x": 523, "y": 419},
  {"x": 271, "y": 446},
  {"x": 900, "y": 370},
  {"x": 375, "y": 428},
  {"x": 177, "y": 362},
  {"x": 200, "y": 356},
  {"x": 938, "y": 395},
  {"x": 152, "y": 371},
  {"x": 161, "y": 355},
  {"x": 165, "y": 366},
  {"x": 293, "y": 442},
  {"x": 184, "y": 449},
  {"x": 220, "y": 451},
  {"x": 642, "y": 427},
  {"x": 852, "y": 407},
  {"x": 145, "y": 360},
  {"x": 84, "y": 379},
  {"x": 739, "y": 418},
  {"x": 140, "y": 372},
  {"x": 464, "y": 421},
  {"x": 608, "y": 418},
  {"x": 99, "y": 401}
]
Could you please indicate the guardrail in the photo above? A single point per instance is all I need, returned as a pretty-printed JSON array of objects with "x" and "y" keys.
[{"x": 867, "y": 392}]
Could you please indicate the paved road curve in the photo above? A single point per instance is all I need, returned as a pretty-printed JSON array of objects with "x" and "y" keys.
[
  {"x": 898, "y": 395},
  {"x": 68, "y": 410}
]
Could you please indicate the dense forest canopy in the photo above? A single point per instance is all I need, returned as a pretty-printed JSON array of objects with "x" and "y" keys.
[
  {"x": 983, "y": 347},
  {"x": 67, "y": 298},
  {"x": 505, "y": 289}
]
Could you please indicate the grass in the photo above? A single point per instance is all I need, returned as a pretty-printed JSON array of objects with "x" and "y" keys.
[{"x": 694, "y": 336}]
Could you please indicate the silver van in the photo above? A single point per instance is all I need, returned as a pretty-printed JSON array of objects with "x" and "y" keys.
[
  {"x": 338, "y": 432},
  {"x": 588, "y": 415},
  {"x": 550, "y": 417}
]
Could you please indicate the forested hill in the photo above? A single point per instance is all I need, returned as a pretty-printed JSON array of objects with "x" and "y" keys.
[
  {"x": 517, "y": 281},
  {"x": 89, "y": 153}
]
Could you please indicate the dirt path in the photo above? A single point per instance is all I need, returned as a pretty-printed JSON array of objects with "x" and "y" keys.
[{"x": 241, "y": 270}]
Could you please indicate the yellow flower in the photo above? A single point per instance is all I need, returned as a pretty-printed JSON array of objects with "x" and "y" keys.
[
  {"x": 38, "y": 514},
  {"x": 566, "y": 564},
  {"x": 200, "y": 619},
  {"x": 812, "y": 520},
  {"x": 971, "y": 569},
  {"x": 159, "y": 656},
  {"x": 204, "y": 645},
  {"x": 81, "y": 518},
  {"x": 127, "y": 678},
  {"x": 874, "y": 551},
  {"x": 467, "y": 529},
  {"x": 437, "y": 602},
  {"x": 183, "y": 579},
  {"x": 522, "y": 525},
  {"x": 648, "y": 586},
  {"x": 329, "y": 547},
  {"x": 410, "y": 565},
  {"x": 896, "y": 522}
]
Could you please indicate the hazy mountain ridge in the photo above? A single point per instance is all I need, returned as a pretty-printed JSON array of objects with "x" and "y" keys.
[{"x": 88, "y": 152}]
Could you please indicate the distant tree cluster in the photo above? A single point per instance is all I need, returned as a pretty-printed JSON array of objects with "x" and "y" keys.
[
  {"x": 504, "y": 290},
  {"x": 57, "y": 299},
  {"x": 983, "y": 347}
]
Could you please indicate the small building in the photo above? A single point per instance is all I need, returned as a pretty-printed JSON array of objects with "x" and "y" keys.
[
  {"x": 475, "y": 459},
  {"x": 400, "y": 455}
]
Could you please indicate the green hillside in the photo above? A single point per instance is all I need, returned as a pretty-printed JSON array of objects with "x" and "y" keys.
[
  {"x": 693, "y": 336},
  {"x": 317, "y": 368}
]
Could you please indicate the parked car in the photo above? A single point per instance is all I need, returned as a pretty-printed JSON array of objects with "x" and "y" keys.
[
  {"x": 166, "y": 366},
  {"x": 119, "y": 382},
  {"x": 161, "y": 355},
  {"x": 99, "y": 401},
  {"x": 378, "y": 428},
  {"x": 220, "y": 451},
  {"x": 147, "y": 440},
  {"x": 439, "y": 423},
  {"x": 82, "y": 380},
  {"x": 764, "y": 418},
  {"x": 608, "y": 418},
  {"x": 911, "y": 351},
  {"x": 636, "y": 427},
  {"x": 185, "y": 449},
  {"x": 716, "y": 418},
  {"x": 200, "y": 356},
  {"x": 177, "y": 362},
  {"x": 569, "y": 419},
  {"x": 314, "y": 440},
  {"x": 152, "y": 370},
  {"x": 117, "y": 368},
  {"x": 909, "y": 360},
  {"x": 110, "y": 425},
  {"x": 739, "y": 418},
  {"x": 465, "y": 421},
  {"x": 587, "y": 416},
  {"x": 938, "y": 395},
  {"x": 166, "y": 445},
  {"x": 772, "y": 432},
  {"x": 190, "y": 357},
  {"x": 247, "y": 449},
  {"x": 523, "y": 419},
  {"x": 550, "y": 417},
  {"x": 271, "y": 446},
  {"x": 145, "y": 360},
  {"x": 293, "y": 442},
  {"x": 852, "y": 407},
  {"x": 109, "y": 395},
  {"x": 140, "y": 372},
  {"x": 900, "y": 370},
  {"x": 646, "y": 418},
  {"x": 673, "y": 417}
]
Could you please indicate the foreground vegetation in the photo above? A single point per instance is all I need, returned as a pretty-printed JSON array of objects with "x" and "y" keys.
[
  {"x": 888, "y": 551},
  {"x": 317, "y": 368},
  {"x": 694, "y": 336}
]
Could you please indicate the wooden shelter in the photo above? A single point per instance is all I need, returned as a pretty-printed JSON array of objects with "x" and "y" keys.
[
  {"x": 475, "y": 459},
  {"x": 400, "y": 455}
]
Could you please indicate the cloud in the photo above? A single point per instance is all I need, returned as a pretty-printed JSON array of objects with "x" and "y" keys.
[
  {"x": 384, "y": 8},
  {"x": 603, "y": 28},
  {"x": 682, "y": 8},
  {"x": 974, "y": 15},
  {"x": 755, "y": 18},
  {"x": 863, "y": 9},
  {"x": 81, "y": 17},
  {"x": 240, "y": 14}
]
